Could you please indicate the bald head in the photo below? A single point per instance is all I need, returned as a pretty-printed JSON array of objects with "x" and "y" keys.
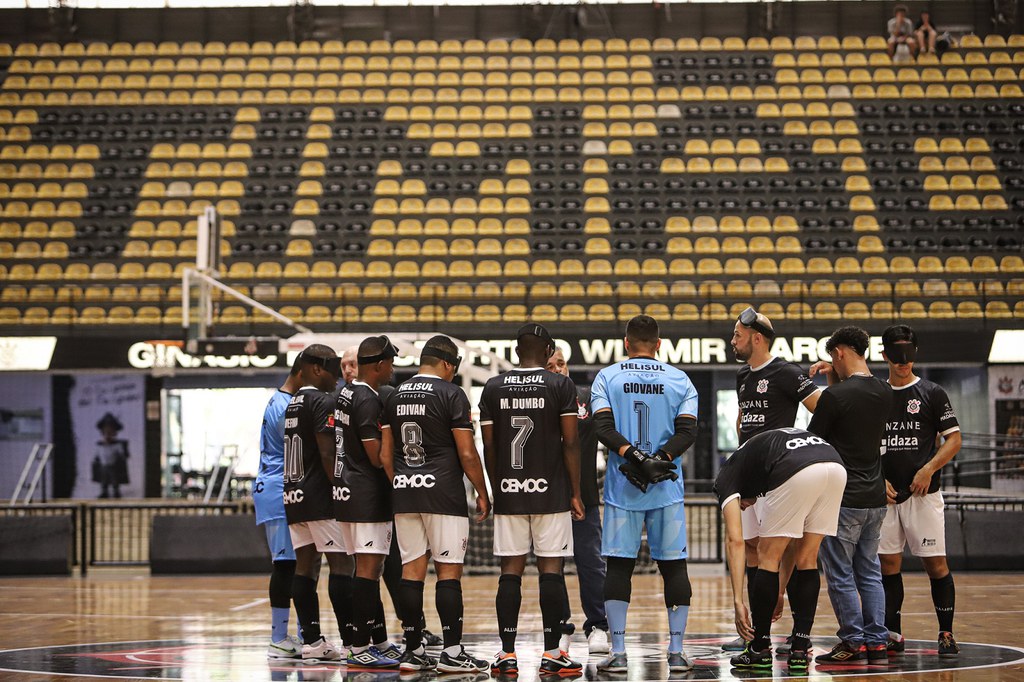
[{"x": 349, "y": 365}]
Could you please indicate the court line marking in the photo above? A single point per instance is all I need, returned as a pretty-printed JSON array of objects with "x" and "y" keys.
[
  {"x": 249, "y": 605},
  {"x": 829, "y": 674}
]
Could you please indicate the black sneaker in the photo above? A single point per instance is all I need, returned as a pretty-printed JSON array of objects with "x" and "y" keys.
[
  {"x": 430, "y": 639},
  {"x": 784, "y": 649},
  {"x": 878, "y": 654},
  {"x": 948, "y": 648},
  {"x": 844, "y": 652},
  {"x": 896, "y": 644},
  {"x": 411, "y": 661},
  {"x": 462, "y": 663},
  {"x": 505, "y": 664},
  {"x": 560, "y": 665},
  {"x": 753, "y": 660},
  {"x": 798, "y": 660}
]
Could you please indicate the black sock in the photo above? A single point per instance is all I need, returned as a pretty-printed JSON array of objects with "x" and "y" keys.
[
  {"x": 392, "y": 577},
  {"x": 365, "y": 596},
  {"x": 803, "y": 589},
  {"x": 379, "y": 627},
  {"x": 554, "y": 604},
  {"x": 448, "y": 599},
  {"x": 766, "y": 593},
  {"x": 751, "y": 572},
  {"x": 893, "y": 586},
  {"x": 339, "y": 588},
  {"x": 944, "y": 599},
  {"x": 281, "y": 584},
  {"x": 410, "y": 593},
  {"x": 307, "y": 607},
  {"x": 507, "y": 603}
]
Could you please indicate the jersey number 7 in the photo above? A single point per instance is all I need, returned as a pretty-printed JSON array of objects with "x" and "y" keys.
[{"x": 523, "y": 427}]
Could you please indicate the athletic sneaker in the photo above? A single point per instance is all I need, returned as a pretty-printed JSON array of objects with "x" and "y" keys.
[
  {"x": 678, "y": 663},
  {"x": 753, "y": 660},
  {"x": 783, "y": 649},
  {"x": 738, "y": 644},
  {"x": 613, "y": 663},
  {"x": 390, "y": 650},
  {"x": 289, "y": 647},
  {"x": 560, "y": 665},
  {"x": 320, "y": 651},
  {"x": 948, "y": 648},
  {"x": 844, "y": 652},
  {"x": 461, "y": 663},
  {"x": 597, "y": 641},
  {"x": 878, "y": 654},
  {"x": 896, "y": 644},
  {"x": 798, "y": 660},
  {"x": 505, "y": 664},
  {"x": 411, "y": 660},
  {"x": 430, "y": 639},
  {"x": 371, "y": 658}
]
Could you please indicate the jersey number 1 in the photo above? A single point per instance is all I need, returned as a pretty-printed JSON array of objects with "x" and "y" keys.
[
  {"x": 293, "y": 468},
  {"x": 643, "y": 426},
  {"x": 523, "y": 427}
]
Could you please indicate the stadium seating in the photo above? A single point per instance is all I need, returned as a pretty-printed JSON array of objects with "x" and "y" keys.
[{"x": 468, "y": 181}]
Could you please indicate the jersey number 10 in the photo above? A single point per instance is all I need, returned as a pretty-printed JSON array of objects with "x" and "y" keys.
[{"x": 293, "y": 467}]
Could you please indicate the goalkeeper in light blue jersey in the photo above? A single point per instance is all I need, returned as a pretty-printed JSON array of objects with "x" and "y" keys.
[{"x": 645, "y": 412}]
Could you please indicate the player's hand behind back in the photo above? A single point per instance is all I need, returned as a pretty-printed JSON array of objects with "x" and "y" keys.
[
  {"x": 578, "y": 511},
  {"x": 483, "y": 508}
]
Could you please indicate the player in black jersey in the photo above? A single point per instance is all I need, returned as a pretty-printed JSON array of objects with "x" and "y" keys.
[
  {"x": 921, "y": 417},
  {"x": 801, "y": 479},
  {"x": 362, "y": 500},
  {"x": 308, "y": 467},
  {"x": 586, "y": 533},
  {"x": 531, "y": 445},
  {"x": 769, "y": 391},
  {"x": 426, "y": 447}
]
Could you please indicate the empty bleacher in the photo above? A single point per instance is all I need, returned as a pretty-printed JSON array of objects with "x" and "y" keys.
[{"x": 468, "y": 181}]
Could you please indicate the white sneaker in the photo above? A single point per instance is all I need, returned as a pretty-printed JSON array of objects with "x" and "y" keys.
[
  {"x": 289, "y": 647},
  {"x": 597, "y": 641},
  {"x": 564, "y": 641},
  {"x": 320, "y": 651}
]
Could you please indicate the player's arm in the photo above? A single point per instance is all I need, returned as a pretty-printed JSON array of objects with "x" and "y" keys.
[
  {"x": 323, "y": 418},
  {"x": 825, "y": 414},
  {"x": 683, "y": 436},
  {"x": 811, "y": 401},
  {"x": 950, "y": 446},
  {"x": 490, "y": 455},
  {"x": 366, "y": 421},
  {"x": 387, "y": 451},
  {"x": 469, "y": 458},
  {"x": 739, "y": 421},
  {"x": 737, "y": 556},
  {"x": 372, "y": 446},
  {"x": 571, "y": 457}
]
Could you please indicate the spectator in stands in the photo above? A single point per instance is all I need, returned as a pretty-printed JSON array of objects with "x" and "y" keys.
[
  {"x": 926, "y": 33},
  {"x": 901, "y": 32}
]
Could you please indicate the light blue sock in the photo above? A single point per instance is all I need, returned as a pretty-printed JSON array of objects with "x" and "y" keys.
[
  {"x": 616, "y": 612},
  {"x": 278, "y": 623},
  {"x": 677, "y": 616}
]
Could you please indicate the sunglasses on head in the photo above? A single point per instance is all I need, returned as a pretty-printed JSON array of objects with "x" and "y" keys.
[
  {"x": 748, "y": 318},
  {"x": 331, "y": 365}
]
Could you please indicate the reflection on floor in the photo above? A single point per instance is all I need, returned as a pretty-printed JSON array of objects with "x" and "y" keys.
[{"x": 244, "y": 659}]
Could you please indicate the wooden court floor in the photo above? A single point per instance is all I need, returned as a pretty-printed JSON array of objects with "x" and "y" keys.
[{"x": 215, "y": 627}]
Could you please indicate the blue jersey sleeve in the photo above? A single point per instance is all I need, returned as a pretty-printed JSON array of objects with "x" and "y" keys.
[
  {"x": 599, "y": 393},
  {"x": 686, "y": 394}
]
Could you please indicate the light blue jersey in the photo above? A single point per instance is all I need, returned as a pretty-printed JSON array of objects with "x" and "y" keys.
[
  {"x": 268, "y": 491},
  {"x": 645, "y": 396}
]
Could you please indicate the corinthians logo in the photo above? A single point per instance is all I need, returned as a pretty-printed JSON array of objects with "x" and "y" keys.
[{"x": 913, "y": 406}]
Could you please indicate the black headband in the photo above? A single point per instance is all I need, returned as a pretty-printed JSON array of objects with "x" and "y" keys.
[
  {"x": 331, "y": 365},
  {"x": 453, "y": 360},
  {"x": 389, "y": 351},
  {"x": 748, "y": 318}
]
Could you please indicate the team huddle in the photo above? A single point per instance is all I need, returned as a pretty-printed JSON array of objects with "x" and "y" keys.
[{"x": 356, "y": 472}]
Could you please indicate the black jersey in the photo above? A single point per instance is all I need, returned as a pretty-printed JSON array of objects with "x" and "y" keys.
[
  {"x": 307, "y": 490},
  {"x": 851, "y": 416},
  {"x": 920, "y": 412},
  {"x": 362, "y": 493},
  {"x": 421, "y": 413},
  {"x": 769, "y": 459},
  {"x": 769, "y": 396},
  {"x": 525, "y": 407},
  {"x": 588, "y": 449}
]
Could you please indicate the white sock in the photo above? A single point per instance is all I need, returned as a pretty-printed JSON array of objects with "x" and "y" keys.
[
  {"x": 453, "y": 650},
  {"x": 555, "y": 653}
]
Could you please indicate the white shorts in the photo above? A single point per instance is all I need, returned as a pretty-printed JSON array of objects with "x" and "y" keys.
[
  {"x": 752, "y": 520},
  {"x": 919, "y": 521},
  {"x": 806, "y": 503},
  {"x": 445, "y": 536},
  {"x": 325, "y": 534},
  {"x": 367, "y": 538},
  {"x": 548, "y": 534}
]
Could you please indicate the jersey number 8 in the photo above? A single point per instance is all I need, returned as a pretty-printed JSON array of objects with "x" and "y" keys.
[{"x": 412, "y": 444}]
